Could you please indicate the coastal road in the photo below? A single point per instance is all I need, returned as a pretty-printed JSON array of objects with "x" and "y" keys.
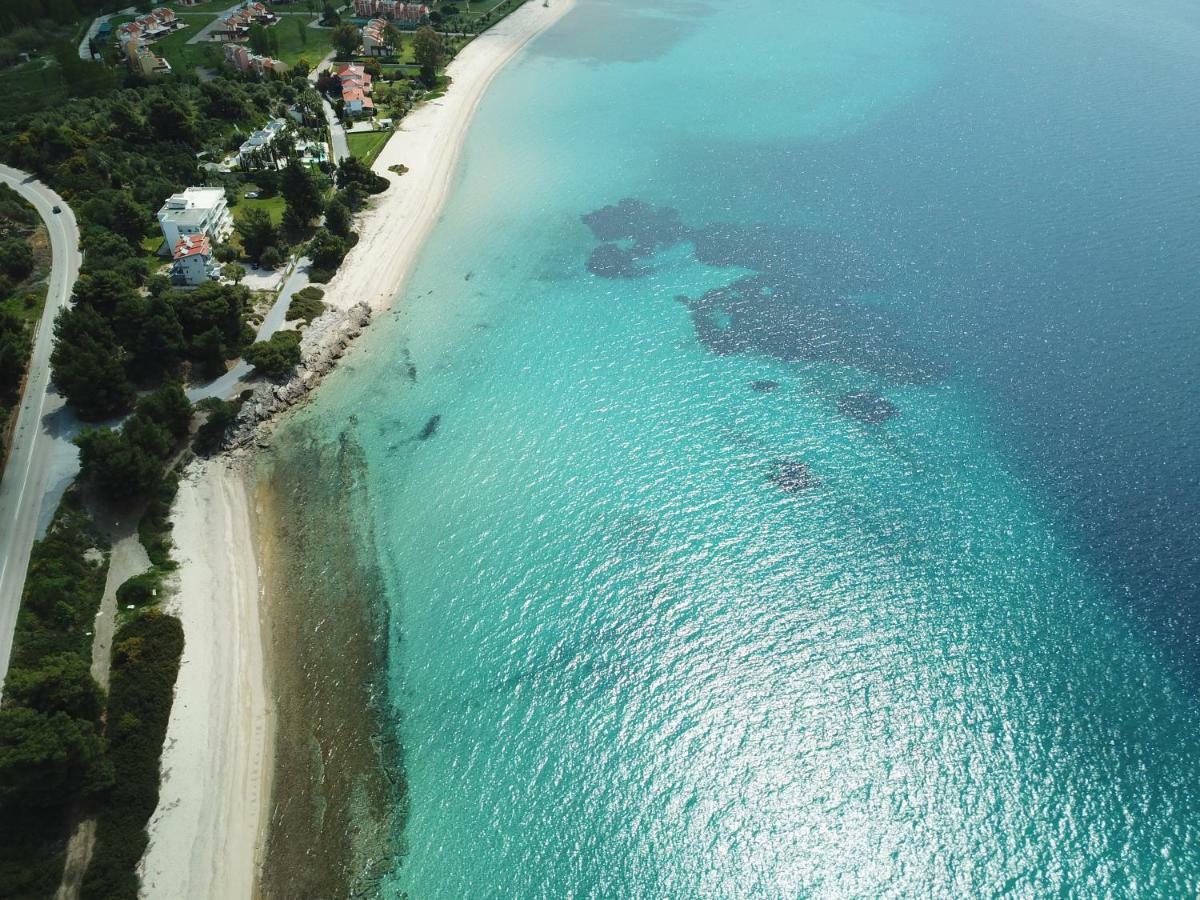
[
  {"x": 42, "y": 460},
  {"x": 235, "y": 379}
]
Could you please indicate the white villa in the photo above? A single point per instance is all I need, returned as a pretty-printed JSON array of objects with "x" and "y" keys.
[
  {"x": 198, "y": 210},
  {"x": 253, "y": 152}
]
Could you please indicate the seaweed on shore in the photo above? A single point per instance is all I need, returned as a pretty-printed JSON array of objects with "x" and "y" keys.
[{"x": 339, "y": 794}]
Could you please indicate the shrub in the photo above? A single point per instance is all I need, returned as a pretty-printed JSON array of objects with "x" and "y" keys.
[
  {"x": 221, "y": 414},
  {"x": 306, "y": 305},
  {"x": 140, "y": 590},
  {"x": 277, "y": 356}
]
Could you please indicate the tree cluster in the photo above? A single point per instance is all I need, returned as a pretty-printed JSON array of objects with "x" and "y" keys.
[
  {"x": 127, "y": 463},
  {"x": 116, "y": 159},
  {"x": 52, "y": 752},
  {"x": 276, "y": 356}
]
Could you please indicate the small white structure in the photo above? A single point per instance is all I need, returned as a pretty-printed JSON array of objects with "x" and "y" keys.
[
  {"x": 254, "y": 152},
  {"x": 198, "y": 210},
  {"x": 194, "y": 263}
]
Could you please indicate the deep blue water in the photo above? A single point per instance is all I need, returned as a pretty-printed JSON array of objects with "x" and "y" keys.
[{"x": 812, "y": 506}]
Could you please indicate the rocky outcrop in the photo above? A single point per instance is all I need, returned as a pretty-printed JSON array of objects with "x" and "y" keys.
[{"x": 323, "y": 344}]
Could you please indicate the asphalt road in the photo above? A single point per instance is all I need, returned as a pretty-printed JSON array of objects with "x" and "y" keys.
[
  {"x": 337, "y": 134},
  {"x": 42, "y": 460}
]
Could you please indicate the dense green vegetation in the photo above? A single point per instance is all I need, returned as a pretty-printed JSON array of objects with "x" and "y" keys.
[
  {"x": 22, "y": 294},
  {"x": 306, "y": 305},
  {"x": 126, "y": 464},
  {"x": 116, "y": 159},
  {"x": 276, "y": 356},
  {"x": 146, "y": 654},
  {"x": 52, "y": 752}
]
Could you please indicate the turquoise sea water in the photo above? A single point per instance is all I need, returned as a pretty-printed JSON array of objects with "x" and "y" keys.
[{"x": 676, "y": 612}]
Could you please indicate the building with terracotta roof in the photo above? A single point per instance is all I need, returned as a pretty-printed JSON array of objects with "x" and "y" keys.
[
  {"x": 236, "y": 26},
  {"x": 356, "y": 90},
  {"x": 403, "y": 15},
  {"x": 375, "y": 38},
  {"x": 150, "y": 27},
  {"x": 193, "y": 260},
  {"x": 243, "y": 60}
]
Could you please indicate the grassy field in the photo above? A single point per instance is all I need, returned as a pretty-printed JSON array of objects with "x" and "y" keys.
[
  {"x": 182, "y": 56},
  {"x": 366, "y": 145},
  {"x": 294, "y": 43},
  {"x": 273, "y": 205}
]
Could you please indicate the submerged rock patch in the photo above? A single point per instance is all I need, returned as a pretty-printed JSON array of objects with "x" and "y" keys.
[
  {"x": 611, "y": 261},
  {"x": 793, "y": 476},
  {"x": 430, "y": 428},
  {"x": 865, "y": 406},
  {"x": 763, "y": 386}
]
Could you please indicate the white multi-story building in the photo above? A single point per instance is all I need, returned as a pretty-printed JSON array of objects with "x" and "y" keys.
[{"x": 198, "y": 210}]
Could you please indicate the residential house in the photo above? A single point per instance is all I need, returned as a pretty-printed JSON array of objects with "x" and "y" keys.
[
  {"x": 356, "y": 89},
  {"x": 145, "y": 61},
  {"x": 197, "y": 210},
  {"x": 150, "y": 27},
  {"x": 402, "y": 15},
  {"x": 236, "y": 26},
  {"x": 256, "y": 150},
  {"x": 244, "y": 61},
  {"x": 375, "y": 38},
  {"x": 193, "y": 260}
]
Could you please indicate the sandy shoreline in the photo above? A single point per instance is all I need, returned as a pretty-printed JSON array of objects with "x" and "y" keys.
[
  {"x": 206, "y": 833},
  {"x": 428, "y": 141},
  {"x": 209, "y": 830}
]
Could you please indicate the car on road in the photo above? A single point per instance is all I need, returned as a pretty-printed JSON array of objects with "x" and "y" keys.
[
  {"x": 57, "y": 208},
  {"x": 251, "y": 195}
]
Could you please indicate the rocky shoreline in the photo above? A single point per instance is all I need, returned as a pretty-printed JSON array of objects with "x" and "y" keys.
[{"x": 324, "y": 342}]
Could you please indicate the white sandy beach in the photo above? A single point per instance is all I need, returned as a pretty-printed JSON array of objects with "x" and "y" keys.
[
  {"x": 428, "y": 141},
  {"x": 207, "y": 834}
]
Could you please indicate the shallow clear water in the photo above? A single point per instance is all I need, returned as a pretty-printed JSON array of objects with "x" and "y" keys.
[{"x": 663, "y": 631}]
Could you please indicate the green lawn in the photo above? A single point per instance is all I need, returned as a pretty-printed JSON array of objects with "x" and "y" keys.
[
  {"x": 182, "y": 56},
  {"x": 310, "y": 43},
  {"x": 366, "y": 145},
  {"x": 273, "y": 205}
]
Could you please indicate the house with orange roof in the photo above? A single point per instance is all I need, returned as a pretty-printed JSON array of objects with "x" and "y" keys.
[
  {"x": 193, "y": 260},
  {"x": 404, "y": 15},
  {"x": 375, "y": 38},
  {"x": 355, "y": 85}
]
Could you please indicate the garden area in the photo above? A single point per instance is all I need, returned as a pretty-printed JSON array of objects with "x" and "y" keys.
[{"x": 367, "y": 145}]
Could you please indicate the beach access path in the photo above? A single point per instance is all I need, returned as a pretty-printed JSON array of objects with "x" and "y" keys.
[
  {"x": 209, "y": 829},
  {"x": 42, "y": 460}
]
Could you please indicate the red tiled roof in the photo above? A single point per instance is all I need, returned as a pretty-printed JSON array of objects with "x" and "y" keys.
[{"x": 192, "y": 244}]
